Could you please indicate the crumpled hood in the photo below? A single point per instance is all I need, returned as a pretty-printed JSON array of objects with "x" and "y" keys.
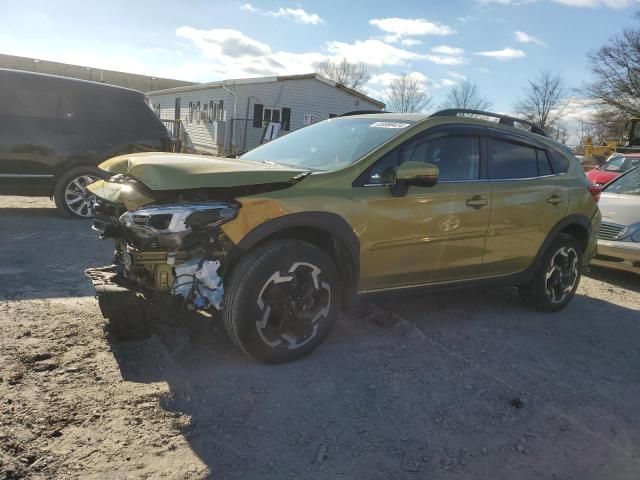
[
  {"x": 175, "y": 171},
  {"x": 620, "y": 209}
]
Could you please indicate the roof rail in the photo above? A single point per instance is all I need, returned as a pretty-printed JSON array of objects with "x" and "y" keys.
[
  {"x": 360, "y": 112},
  {"x": 504, "y": 119}
]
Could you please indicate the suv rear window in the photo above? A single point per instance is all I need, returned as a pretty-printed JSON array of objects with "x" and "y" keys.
[{"x": 512, "y": 160}]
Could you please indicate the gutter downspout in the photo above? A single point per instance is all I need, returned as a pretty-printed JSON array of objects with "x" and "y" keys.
[{"x": 233, "y": 130}]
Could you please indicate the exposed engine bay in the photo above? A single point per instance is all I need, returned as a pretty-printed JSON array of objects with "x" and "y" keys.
[{"x": 174, "y": 247}]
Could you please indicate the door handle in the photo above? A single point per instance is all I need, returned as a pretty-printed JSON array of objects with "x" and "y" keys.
[
  {"x": 477, "y": 202},
  {"x": 555, "y": 199}
]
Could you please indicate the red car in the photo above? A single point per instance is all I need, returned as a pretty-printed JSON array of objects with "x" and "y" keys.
[{"x": 613, "y": 167}]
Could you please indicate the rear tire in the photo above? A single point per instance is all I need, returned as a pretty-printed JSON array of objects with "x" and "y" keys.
[
  {"x": 281, "y": 301},
  {"x": 557, "y": 278},
  {"x": 70, "y": 194}
]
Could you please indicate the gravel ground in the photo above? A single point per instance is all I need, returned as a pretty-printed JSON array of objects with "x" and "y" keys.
[{"x": 460, "y": 384}]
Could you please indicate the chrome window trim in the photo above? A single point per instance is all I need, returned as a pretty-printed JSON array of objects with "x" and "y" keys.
[
  {"x": 525, "y": 178},
  {"x": 24, "y": 175}
]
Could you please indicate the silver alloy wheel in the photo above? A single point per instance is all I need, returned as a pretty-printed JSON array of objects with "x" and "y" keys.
[
  {"x": 292, "y": 305},
  {"x": 562, "y": 274},
  {"x": 77, "y": 198}
]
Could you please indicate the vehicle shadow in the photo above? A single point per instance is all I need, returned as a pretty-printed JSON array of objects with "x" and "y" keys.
[
  {"x": 410, "y": 383},
  {"x": 619, "y": 278},
  {"x": 43, "y": 255}
]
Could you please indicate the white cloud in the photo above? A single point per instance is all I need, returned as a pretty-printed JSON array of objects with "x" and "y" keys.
[
  {"x": 570, "y": 3},
  {"x": 298, "y": 15},
  {"x": 371, "y": 52},
  {"x": 456, "y": 75},
  {"x": 504, "y": 54},
  {"x": 466, "y": 18},
  {"x": 224, "y": 42},
  {"x": 444, "y": 59},
  {"x": 447, "y": 50},
  {"x": 229, "y": 53},
  {"x": 598, "y": 3},
  {"x": 504, "y": 2},
  {"x": 447, "y": 82},
  {"x": 523, "y": 37},
  {"x": 410, "y": 42},
  {"x": 411, "y": 26}
]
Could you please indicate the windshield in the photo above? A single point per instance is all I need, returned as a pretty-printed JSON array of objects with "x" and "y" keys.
[
  {"x": 628, "y": 184},
  {"x": 328, "y": 145}
]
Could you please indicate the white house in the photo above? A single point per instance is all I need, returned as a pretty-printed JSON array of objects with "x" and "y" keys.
[{"x": 232, "y": 116}]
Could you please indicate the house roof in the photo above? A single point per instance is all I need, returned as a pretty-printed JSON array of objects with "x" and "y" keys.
[{"x": 281, "y": 78}]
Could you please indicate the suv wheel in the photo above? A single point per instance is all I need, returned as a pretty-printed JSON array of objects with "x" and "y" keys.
[
  {"x": 281, "y": 301},
  {"x": 556, "y": 280},
  {"x": 71, "y": 195}
]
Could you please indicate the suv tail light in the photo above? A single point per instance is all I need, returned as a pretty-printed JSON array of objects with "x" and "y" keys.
[{"x": 595, "y": 190}]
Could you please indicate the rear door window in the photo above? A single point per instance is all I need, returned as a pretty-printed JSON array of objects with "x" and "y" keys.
[{"x": 512, "y": 160}]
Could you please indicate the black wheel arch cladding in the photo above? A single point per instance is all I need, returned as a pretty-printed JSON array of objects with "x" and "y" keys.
[{"x": 345, "y": 248}]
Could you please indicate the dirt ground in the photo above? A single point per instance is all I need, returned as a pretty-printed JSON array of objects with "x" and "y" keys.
[{"x": 462, "y": 384}]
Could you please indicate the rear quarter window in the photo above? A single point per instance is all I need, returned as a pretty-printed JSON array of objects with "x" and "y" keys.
[{"x": 559, "y": 161}]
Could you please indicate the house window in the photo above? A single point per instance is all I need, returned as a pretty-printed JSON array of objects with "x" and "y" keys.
[
  {"x": 190, "y": 117},
  {"x": 216, "y": 109},
  {"x": 197, "y": 112},
  {"x": 263, "y": 116},
  {"x": 257, "y": 115},
  {"x": 286, "y": 119}
]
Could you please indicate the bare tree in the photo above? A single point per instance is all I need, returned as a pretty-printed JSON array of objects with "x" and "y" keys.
[
  {"x": 544, "y": 100},
  {"x": 352, "y": 75},
  {"x": 466, "y": 95},
  {"x": 407, "y": 96},
  {"x": 607, "y": 125},
  {"x": 616, "y": 68}
]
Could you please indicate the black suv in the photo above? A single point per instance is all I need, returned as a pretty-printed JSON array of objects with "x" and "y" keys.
[{"x": 54, "y": 131}]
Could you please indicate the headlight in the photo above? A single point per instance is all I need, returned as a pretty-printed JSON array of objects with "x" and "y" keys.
[
  {"x": 169, "y": 225},
  {"x": 635, "y": 237}
]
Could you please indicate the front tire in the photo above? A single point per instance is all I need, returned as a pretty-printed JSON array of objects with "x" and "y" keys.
[
  {"x": 557, "y": 278},
  {"x": 281, "y": 301},
  {"x": 70, "y": 193}
]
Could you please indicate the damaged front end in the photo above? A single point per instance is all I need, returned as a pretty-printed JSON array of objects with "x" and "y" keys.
[
  {"x": 164, "y": 214},
  {"x": 174, "y": 248}
]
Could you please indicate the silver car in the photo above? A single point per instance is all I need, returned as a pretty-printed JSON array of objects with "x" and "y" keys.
[{"x": 619, "y": 238}]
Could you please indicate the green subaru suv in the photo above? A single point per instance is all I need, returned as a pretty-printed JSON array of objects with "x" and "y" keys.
[{"x": 278, "y": 241}]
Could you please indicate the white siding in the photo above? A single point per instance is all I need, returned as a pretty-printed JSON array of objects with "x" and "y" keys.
[
  {"x": 310, "y": 96},
  {"x": 302, "y": 96},
  {"x": 199, "y": 133}
]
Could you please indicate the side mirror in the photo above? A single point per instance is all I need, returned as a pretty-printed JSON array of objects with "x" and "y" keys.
[{"x": 414, "y": 174}]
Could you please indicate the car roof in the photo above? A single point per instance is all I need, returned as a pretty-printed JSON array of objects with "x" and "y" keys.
[
  {"x": 422, "y": 117},
  {"x": 69, "y": 80}
]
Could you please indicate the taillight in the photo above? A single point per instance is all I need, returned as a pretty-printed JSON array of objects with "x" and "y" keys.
[{"x": 595, "y": 190}]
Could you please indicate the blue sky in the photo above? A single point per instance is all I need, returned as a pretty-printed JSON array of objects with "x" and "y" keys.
[{"x": 498, "y": 44}]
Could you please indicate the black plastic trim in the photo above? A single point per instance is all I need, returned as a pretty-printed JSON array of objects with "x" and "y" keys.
[{"x": 332, "y": 223}]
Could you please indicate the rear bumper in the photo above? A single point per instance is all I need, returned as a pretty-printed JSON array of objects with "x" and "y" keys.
[{"x": 619, "y": 255}]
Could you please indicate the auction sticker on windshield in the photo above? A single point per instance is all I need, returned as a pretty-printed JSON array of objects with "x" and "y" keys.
[{"x": 389, "y": 125}]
